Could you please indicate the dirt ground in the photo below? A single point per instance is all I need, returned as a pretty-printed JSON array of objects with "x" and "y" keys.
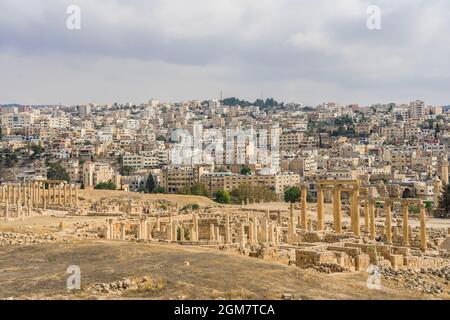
[
  {"x": 181, "y": 272},
  {"x": 39, "y": 272}
]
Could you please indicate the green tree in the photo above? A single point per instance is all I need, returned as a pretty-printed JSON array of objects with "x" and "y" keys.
[
  {"x": 150, "y": 184},
  {"x": 257, "y": 192},
  {"x": 159, "y": 189},
  {"x": 57, "y": 172},
  {"x": 246, "y": 171},
  {"x": 126, "y": 171},
  {"x": 161, "y": 138},
  {"x": 222, "y": 196},
  {"x": 428, "y": 206},
  {"x": 292, "y": 194},
  {"x": 105, "y": 186},
  {"x": 197, "y": 189}
]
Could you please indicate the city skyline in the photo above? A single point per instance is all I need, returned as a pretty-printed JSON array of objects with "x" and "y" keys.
[{"x": 289, "y": 50}]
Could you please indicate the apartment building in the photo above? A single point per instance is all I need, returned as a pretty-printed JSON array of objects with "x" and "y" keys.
[{"x": 228, "y": 182}]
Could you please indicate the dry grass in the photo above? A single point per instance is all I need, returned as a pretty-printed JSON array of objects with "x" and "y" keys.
[
  {"x": 94, "y": 195},
  {"x": 40, "y": 272}
]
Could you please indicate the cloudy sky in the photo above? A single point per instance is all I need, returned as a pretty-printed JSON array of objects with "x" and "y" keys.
[{"x": 173, "y": 50}]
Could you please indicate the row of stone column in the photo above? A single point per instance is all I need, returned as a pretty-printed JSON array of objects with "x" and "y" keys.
[
  {"x": 369, "y": 216},
  {"x": 17, "y": 210},
  {"x": 258, "y": 232},
  {"x": 40, "y": 194}
]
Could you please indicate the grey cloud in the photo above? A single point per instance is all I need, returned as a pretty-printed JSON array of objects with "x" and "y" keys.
[{"x": 241, "y": 45}]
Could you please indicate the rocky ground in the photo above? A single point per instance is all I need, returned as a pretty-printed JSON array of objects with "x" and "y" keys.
[
  {"x": 12, "y": 238},
  {"x": 426, "y": 281},
  {"x": 121, "y": 270}
]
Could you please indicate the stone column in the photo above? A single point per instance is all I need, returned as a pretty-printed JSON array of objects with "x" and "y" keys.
[
  {"x": 149, "y": 227},
  {"x": 217, "y": 233},
  {"x": 194, "y": 235},
  {"x": 169, "y": 232},
  {"x": 122, "y": 230},
  {"x": 60, "y": 186},
  {"x": 142, "y": 228},
  {"x": 8, "y": 193},
  {"x": 304, "y": 213},
  {"x": 255, "y": 227},
  {"x": 241, "y": 238},
  {"x": 65, "y": 202},
  {"x": 423, "y": 228},
  {"x": 111, "y": 228},
  {"x": 212, "y": 232},
  {"x": 53, "y": 198},
  {"x": 320, "y": 209},
  {"x": 372, "y": 219},
  {"x": 277, "y": 235},
  {"x": 405, "y": 210},
  {"x": 38, "y": 200},
  {"x": 108, "y": 230},
  {"x": 174, "y": 230},
  {"x": 291, "y": 225},
  {"x": 14, "y": 193},
  {"x": 366, "y": 214},
  {"x": 265, "y": 231},
  {"x": 181, "y": 233},
  {"x": 44, "y": 197},
  {"x": 251, "y": 233},
  {"x": 76, "y": 194},
  {"x": 19, "y": 193},
  {"x": 29, "y": 207},
  {"x": 169, "y": 228},
  {"x": 271, "y": 233},
  {"x": 19, "y": 209},
  {"x": 337, "y": 211},
  {"x": 35, "y": 195},
  {"x": 355, "y": 212},
  {"x": 227, "y": 229},
  {"x": 70, "y": 195},
  {"x": 6, "y": 210},
  {"x": 158, "y": 223},
  {"x": 388, "y": 213},
  {"x": 258, "y": 233}
]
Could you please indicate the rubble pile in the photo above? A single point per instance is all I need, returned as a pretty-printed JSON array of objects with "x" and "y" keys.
[
  {"x": 426, "y": 280},
  {"x": 12, "y": 238}
]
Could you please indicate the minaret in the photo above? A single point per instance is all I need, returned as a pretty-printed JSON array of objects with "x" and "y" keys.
[
  {"x": 437, "y": 186},
  {"x": 444, "y": 171}
]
